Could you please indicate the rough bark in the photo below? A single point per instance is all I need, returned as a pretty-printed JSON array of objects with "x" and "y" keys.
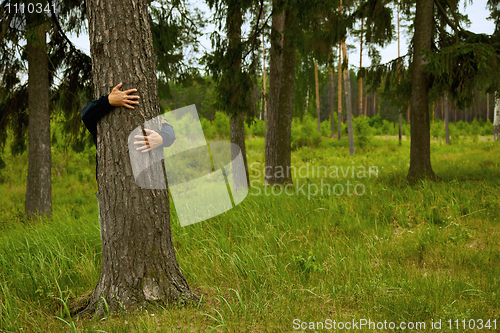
[
  {"x": 38, "y": 188},
  {"x": 317, "y": 94},
  {"x": 139, "y": 264},
  {"x": 446, "y": 118},
  {"x": 420, "y": 148},
  {"x": 282, "y": 68},
  {"x": 332, "y": 120},
  {"x": 496, "y": 120}
]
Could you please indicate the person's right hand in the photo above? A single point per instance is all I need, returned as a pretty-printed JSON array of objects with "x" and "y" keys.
[{"x": 123, "y": 98}]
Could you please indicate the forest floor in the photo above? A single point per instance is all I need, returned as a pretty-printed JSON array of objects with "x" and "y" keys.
[{"x": 380, "y": 251}]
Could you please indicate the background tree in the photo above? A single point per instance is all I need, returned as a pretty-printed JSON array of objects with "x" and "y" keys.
[
  {"x": 281, "y": 80},
  {"x": 348, "y": 103},
  {"x": 39, "y": 184},
  {"x": 496, "y": 121},
  {"x": 235, "y": 84},
  {"x": 139, "y": 262}
]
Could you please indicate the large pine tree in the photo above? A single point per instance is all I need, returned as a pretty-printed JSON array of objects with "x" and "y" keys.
[{"x": 139, "y": 261}]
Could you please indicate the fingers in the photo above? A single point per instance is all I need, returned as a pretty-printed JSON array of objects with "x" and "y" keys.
[
  {"x": 118, "y": 86},
  {"x": 130, "y": 91},
  {"x": 144, "y": 149}
]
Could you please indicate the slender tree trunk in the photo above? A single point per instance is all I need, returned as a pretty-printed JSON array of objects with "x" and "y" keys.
[
  {"x": 399, "y": 79},
  {"x": 237, "y": 129},
  {"x": 442, "y": 109},
  {"x": 264, "y": 83},
  {"x": 282, "y": 73},
  {"x": 332, "y": 119},
  {"x": 138, "y": 257},
  {"x": 420, "y": 148},
  {"x": 360, "y": 87},
  {"x": 446, "y": 118},
  {"x": 306, "y": 110},
  {"x": 317, "y": 95},
  {"x": 236, "y": 123},
  {"x": 374, "y": 103},
  {"x": 433, "y": 111},
  {"x": 348, "y": 103},
  {"x": 487, "y": 107},
  {"x": 38, "y": 188},
  {"x": 339, "y": 95},
  {"x": 496, "y": 120},
  {"x": 365, "y": 105}
]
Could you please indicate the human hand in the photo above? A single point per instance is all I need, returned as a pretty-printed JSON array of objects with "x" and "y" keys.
[
  {"x": 152, "y": 141},
  {"x": 122, "y": 98}
]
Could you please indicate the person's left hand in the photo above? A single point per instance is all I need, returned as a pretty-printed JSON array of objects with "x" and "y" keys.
[{"x": 152, "y": 141}]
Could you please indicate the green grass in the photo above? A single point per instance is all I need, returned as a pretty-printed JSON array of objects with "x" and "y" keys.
[{"x": 396, "y": 253}]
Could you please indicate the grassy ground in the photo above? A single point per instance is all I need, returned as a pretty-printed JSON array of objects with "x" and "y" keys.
[{"x": 394, "y": 253}]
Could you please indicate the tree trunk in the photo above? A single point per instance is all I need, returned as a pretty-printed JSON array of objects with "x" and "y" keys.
[
  {"x": 138, "y": 258},
  {"x": 306, "y": 110},
  {"x": 264, "y": 86},
  {"x": 237, "y": 127},
  {"x": 236, "y": 123},
  {"x": 400, "y": 121},
  {"x": 365, "y": 106},
  {"x": 282, "y": 73},
  {"x": 39, "y": 185},
  {"x": 339, "y": 94},
  {"x": 360, "y": 83},
  {"x": 332, "y": 120},
  {"x": 420, "y": 148},
  {"x": 496, "y": 120},
  {"x": 317, "y": 95},
  {"x": 487, "y": 107},
  {"x": 446, "y": 118},
  {"x": 348, "y": 103}
]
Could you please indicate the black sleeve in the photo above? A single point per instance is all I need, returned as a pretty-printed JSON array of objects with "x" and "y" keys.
[
  {"x": 168, "y": 135},
  {"x": 93, "y": 112}
]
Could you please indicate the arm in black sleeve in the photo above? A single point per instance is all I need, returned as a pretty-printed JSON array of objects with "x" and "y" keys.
[
  {"x": 167, "y": 133},
  {"x": 93, "y": 112}
]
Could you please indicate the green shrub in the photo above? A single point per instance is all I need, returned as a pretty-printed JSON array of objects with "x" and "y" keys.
[
  {"x": 305, "y": 133},
  {"x": 221, "y": 123},
  {"x": 326, "y": 128},
  {"x": 208, "y": 128},
  {"x": 258, "y": 128},
  {"x": 436, "y": 127},
  {"x": 362, "y": 131},
  {"x": 375, "y": 121},
  {"x": 487, "y": 128}
]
